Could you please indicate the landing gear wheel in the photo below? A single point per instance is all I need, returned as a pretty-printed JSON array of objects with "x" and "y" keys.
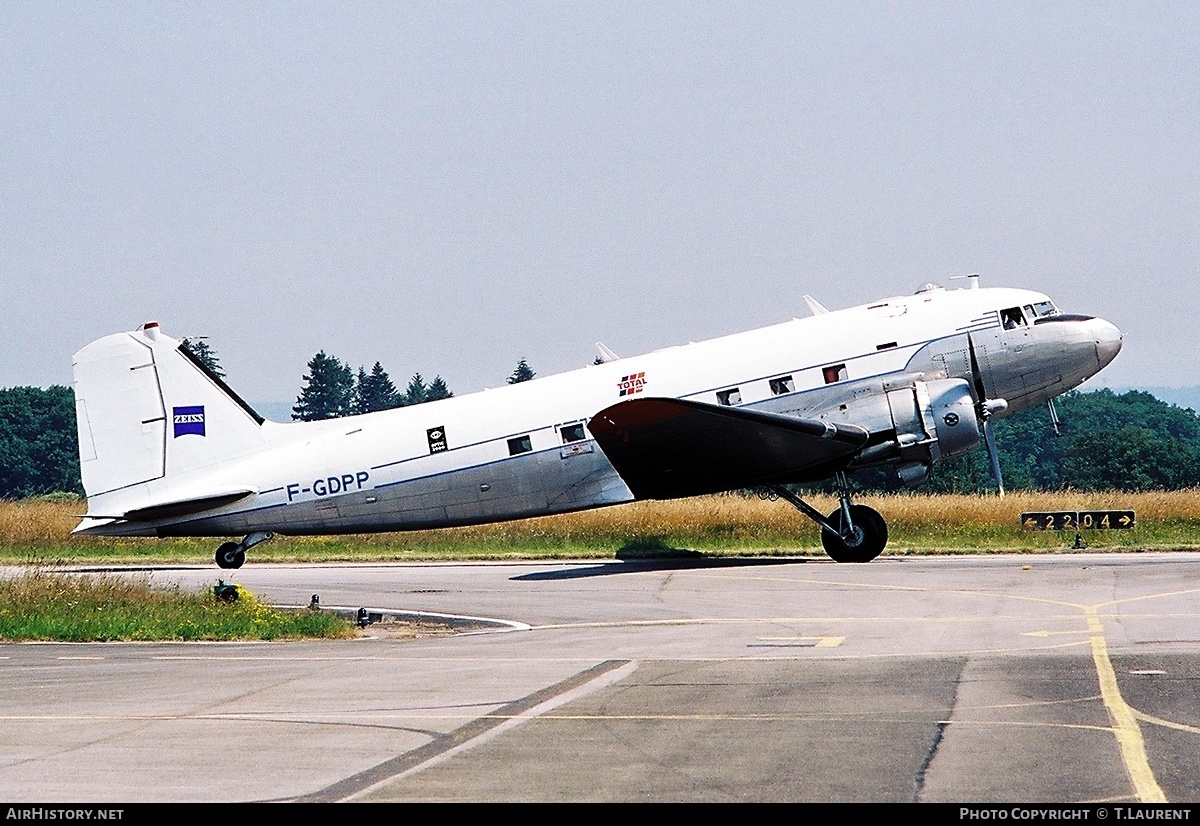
[
  {"x": 230, "y": 555},
  {"x": 868, "y": 539}
]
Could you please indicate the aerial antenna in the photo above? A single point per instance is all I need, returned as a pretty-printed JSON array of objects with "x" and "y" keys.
[
  {"x": 974, "y": 277},
  {"x": 816, "y": 306},
  {"x": 606, "y": 355}
]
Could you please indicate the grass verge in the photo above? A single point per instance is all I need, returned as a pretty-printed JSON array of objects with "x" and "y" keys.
[
  {"x": 39, "y": 604},
  {"x": 42, "y": 604},
  {"x": 36, "y": 531}
]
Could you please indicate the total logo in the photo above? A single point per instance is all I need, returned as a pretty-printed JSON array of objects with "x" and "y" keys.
[{"x": 633, "y": 383}]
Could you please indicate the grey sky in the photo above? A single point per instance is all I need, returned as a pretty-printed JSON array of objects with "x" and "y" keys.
[{"x": 447, "y": 187}]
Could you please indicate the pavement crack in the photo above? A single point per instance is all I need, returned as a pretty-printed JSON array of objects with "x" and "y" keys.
[
  {"x": 919, "y": 780},
  {"x": 442, "y": 745},
  {"x": 938, "y": 736}
]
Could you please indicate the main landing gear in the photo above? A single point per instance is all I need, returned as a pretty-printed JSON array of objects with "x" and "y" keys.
[
  {"x": 233, "y": 554},
  {"x": 852, "y": 533}
]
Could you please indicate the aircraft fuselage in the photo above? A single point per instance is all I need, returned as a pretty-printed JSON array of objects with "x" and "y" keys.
[{"x": 908, "y": 369}]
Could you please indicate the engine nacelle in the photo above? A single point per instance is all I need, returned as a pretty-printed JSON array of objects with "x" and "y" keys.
[
  {"x": 933, "y": 420},
  {"x": 914, "y": 423}
]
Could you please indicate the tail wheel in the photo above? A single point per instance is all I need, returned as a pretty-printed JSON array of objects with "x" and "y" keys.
[
  {"x": 230, "y": 555},
  {"x": 866, "y": 541}
]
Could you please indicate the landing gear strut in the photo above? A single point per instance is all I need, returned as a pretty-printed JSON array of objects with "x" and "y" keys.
[
  {"x": 852, "y": 533},
  {"x": 233, "y": 554}
]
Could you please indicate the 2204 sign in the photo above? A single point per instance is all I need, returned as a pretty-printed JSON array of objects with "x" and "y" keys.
[{"x": 1078, "y": 520}]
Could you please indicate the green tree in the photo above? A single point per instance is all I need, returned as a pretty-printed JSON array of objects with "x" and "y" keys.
[
  {"x": 374, "y": 391},
  {"x": 328, "y": 391},
  {"x": 437, "y": 390},
  {"x": 1132, "y": 459},
  {"x": 39, "y": 450},
  {"x": 1128, "y": 441},
  {"x": 522, "y": 373},
  {"x": 417, "y": 391},
  {"x": 207, "y": 355}
]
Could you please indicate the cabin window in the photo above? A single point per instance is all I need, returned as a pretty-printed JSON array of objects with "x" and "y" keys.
[
  {"x": 519, "y": 444},
  {"x": 835, "y": 372},
  {"x": 572, "y": 433},
  {"x": 729, "y": 397},
  {"x": 1012, "y": 318},
  {"x": 781, "y": 385},
  {"x": 887, "y": 346}
]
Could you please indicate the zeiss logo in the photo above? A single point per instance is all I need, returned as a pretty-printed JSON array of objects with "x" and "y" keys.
[{"x": 188, "y": 420}]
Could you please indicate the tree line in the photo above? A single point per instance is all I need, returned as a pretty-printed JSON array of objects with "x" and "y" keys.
[
  {"x": 1130, "y": 441},
  {"x": 39, "y": 445},
  {"x": 332, "y": 390}
]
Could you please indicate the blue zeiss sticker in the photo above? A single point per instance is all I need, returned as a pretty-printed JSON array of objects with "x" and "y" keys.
[{"x": 188, "y": 420}]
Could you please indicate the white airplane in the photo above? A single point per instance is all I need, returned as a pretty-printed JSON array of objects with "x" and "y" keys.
[{"x": 167, "y": 449}]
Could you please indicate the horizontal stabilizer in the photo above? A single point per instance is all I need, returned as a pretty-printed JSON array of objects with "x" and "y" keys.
[
  {"x": 179, "y": 507},
  {"x": 669, "y": 448}
]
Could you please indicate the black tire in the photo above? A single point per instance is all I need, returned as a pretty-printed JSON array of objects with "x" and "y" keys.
[
  {"x": 230, "y": 555},
  {"x": 870, "y": 535}
]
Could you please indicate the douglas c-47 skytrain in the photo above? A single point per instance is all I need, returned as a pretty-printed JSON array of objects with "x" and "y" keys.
[{"x": 167, "y": 449}]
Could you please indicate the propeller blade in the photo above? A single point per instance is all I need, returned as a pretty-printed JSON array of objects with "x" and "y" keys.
[{"x": 990, "y": 438}]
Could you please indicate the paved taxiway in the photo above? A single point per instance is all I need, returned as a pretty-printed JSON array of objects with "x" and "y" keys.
[{"x": 1051, "y": 678}]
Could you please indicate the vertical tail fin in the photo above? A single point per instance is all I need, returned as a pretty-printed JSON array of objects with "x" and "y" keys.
[{"x": 147, "y": 409}]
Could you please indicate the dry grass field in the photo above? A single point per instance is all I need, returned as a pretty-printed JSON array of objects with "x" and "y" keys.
[{"x": 37, "y": 531}]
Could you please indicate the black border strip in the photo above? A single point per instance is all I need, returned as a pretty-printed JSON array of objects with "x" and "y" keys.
[{"x": 219, "y": 382}]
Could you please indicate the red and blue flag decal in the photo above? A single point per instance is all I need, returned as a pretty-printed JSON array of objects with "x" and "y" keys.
[{"x": 633, "y": 383}]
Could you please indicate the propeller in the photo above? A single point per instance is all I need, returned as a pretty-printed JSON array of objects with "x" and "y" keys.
[{"x": 987, "y": 408}]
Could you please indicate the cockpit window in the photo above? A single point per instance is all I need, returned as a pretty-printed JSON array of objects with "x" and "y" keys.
[
  {"x": 1042, "y": 309},
  {"x": 1012, "y": 318}
]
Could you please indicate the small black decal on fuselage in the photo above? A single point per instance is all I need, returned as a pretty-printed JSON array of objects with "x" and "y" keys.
[{"x": 437, "y": 439}]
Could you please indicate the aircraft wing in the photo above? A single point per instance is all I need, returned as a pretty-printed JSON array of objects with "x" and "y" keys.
[{"x": 668, "y": 448}]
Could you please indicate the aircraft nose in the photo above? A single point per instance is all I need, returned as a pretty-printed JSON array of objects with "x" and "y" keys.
[{"x": 1108, "y": 340}]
